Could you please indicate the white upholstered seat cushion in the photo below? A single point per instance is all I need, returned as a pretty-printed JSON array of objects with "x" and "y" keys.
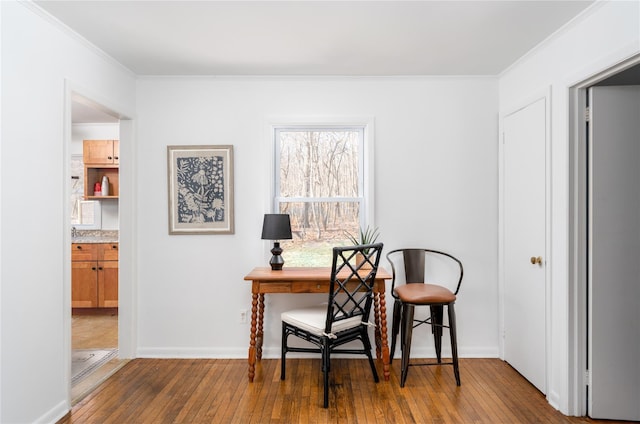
[{"x": 313, "y": 320}]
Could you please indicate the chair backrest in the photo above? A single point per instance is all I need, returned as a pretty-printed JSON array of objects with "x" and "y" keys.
[
  {"x": 425, "y": 266},
  {"x": 353, "y": 274}
]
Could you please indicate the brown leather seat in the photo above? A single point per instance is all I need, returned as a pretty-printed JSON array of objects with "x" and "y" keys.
[
  {"x": 422, "y": 294},
  {"x": 409, "y": 289}
]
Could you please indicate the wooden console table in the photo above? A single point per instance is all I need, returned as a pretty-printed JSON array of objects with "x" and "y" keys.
[{"x": 308, "y": 280}]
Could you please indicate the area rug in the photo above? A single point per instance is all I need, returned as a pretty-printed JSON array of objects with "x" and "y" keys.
[{"x": 86, "y": 361}]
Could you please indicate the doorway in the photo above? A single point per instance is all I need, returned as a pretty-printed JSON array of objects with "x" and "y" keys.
[
  {"x": 613, "y": 239},
  {"x": 94, "y": 225},
  {"x": 606, "y": 114}
]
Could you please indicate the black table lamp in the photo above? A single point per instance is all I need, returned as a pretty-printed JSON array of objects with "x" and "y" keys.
[{"x": 276, "y": 226}]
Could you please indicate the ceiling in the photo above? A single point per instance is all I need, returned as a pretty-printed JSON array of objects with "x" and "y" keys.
[
  {"x": 86, "y": 113},
  {"x": 315, "y": 38}
]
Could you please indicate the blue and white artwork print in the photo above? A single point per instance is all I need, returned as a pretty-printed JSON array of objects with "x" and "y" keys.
[{"x": 200, "y": 189}]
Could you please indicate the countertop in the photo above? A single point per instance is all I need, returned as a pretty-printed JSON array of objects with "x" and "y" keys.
[{"x": 95, "y": 236}]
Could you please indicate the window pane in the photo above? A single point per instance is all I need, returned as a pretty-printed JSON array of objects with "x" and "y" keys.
[
  {"x": 317, "y": 227},
  {"x": 319, "y": 163}
]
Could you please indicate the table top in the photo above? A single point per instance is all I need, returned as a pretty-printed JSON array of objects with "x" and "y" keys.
[{"x": 300, "y": 274}]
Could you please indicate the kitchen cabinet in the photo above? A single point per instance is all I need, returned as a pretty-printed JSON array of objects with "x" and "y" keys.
[
  {"x": 101, "y": 152},
  {"x": 101, "y": 158},
  {"x": 94, "y": 275}
]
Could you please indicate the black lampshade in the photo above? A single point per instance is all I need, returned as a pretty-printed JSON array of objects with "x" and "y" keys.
[{"x": 276, "y": 226}]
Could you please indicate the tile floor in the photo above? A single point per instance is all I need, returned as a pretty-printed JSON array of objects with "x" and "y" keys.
[{"x": 94, "y": 329}]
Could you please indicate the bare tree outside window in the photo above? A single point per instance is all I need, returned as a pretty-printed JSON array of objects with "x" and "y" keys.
[{"x": 320, "y": 187}]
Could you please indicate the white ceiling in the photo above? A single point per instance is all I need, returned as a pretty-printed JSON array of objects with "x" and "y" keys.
[
  {"x": 84, "y": 113},
  {"x": 352, "y": 38}
]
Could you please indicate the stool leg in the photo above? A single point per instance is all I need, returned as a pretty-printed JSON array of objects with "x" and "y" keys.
[
  {"x": 407, "y": 330},
  {"x": 395, "y": 327},
  {"x": 436, "y": 329},
  {"x": 454, "y": 342}
]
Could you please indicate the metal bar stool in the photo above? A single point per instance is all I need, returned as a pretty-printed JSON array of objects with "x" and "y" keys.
[{"x": 409, "y": 290}]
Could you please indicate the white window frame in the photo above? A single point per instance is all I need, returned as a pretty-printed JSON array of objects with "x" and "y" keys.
[{"x": 366, "y": 159}]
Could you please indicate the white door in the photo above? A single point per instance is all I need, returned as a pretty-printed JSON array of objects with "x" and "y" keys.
[
  {"x": 525, "y": 241},
  {"x": 614, "y": 253}
]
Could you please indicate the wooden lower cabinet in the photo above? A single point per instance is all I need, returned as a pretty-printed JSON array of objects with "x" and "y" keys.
[
  {"x": 108, "y": 284},
  {"x": 94, "y": 281},
  {"x": 84, "y": 284}
]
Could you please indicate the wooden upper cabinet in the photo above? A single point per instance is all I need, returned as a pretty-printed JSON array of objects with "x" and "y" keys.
[
  {"x": 101, "y": 158},
  {"x": 116, "y": 152},
  {"x": 101, "y": 152}
]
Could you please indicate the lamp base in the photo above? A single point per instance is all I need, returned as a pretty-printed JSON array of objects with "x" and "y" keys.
[{"x": 276, "y": 261}]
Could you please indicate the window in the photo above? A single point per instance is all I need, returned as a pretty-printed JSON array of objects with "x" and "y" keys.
[{"x": 320, "y": 182}]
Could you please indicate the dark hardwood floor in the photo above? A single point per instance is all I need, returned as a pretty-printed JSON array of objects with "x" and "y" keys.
[{"x": 217, "y": 391}]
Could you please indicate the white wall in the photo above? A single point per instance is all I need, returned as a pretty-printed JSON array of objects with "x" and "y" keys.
[
  {"x": 436, "y": 186},
  {"x": 98, "y": 131},
  {"x": 81, "y": 132},
  {"x": 38, "y": 60},
  {"x": 606, "y": 34}
]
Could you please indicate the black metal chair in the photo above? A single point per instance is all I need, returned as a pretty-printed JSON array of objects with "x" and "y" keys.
[
  {"x": 410, "y": 289},
  {"x": 346, "y": 316}
]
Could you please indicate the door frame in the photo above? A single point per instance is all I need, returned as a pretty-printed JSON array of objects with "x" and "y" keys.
[
  {"x": 543, "y": 93},
  {"x": 127, "y": 282},
  {"x": 578, "y": 241}
]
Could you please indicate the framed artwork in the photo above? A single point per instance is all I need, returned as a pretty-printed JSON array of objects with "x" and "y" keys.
[{"x": 200, "y": 189}]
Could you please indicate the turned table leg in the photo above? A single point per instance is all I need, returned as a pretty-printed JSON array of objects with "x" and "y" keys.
[
  {"x": 382, "y": 346},
  {"x": 252, "y": 340},
  {"x": 260, "y": 335},
  {"x": 376, "y": 312}
]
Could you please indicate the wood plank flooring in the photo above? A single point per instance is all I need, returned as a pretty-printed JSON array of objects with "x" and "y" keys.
[{"x": 217, "y": 391}]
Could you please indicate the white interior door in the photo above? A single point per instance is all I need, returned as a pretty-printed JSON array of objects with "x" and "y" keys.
[
  {"x": 525, "y": 241},
  {"x": 614, "y": 253}
]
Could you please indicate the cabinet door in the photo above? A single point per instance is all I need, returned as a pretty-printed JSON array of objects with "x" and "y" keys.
[
  {"x": 108, "y": 284},
  {"x": 116, "y": 152},
  {"x": 98, "y": 152},
  {"x": 84, "y": 284}
]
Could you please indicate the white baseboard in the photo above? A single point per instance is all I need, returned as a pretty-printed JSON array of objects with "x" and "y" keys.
[
  {"x": 274, "y": 353},
  {"x": 54, "y": 414},
  {"x": 192, "y": 352}
]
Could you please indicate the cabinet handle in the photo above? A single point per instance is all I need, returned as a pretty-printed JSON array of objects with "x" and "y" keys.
[
  {"x": 109, "y": 157},
  {"x": 78, "y": 247},
  {"x": 116, "y": 158},
  {"x": 114, "y": 247},
  {"x": 93, "y": 268},
  {"x": 100, "y": 268}
]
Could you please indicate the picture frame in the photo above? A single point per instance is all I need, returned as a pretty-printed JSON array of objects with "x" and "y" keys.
[{"x": 200, "y": 182}]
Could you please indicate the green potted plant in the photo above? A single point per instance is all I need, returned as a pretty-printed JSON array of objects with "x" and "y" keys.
[{"x": 366, "y": 235}]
